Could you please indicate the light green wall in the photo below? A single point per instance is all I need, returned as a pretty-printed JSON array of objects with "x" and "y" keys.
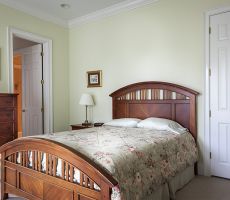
[
  {"x": 161, "y": 42},
  {"x": 59, "y": 36}
]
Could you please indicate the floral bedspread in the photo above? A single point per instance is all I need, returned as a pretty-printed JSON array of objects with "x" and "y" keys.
[{"x": 139, "y": 159}]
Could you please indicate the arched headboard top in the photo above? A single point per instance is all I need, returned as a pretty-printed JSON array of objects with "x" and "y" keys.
[
  {"x": 163, "y": 86},
  {"x": 157, "y": 99}
]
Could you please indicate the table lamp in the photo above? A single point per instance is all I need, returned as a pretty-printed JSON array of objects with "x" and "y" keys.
[{"x": 86, "y": 100}]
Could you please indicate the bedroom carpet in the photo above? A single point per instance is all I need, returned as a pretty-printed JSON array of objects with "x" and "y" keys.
[
  {"x": 205, "y": 188},
  {"x": 200, "y": 188}
]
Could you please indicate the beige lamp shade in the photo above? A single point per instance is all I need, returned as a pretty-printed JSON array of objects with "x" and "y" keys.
[{"x": 86, "y": 99}]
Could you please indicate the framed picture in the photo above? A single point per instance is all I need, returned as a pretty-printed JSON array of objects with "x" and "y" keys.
[{"x": 94, "y": 78}]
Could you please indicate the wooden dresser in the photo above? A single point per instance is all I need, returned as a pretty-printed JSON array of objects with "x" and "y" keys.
[{"x": 8, "y": 117}]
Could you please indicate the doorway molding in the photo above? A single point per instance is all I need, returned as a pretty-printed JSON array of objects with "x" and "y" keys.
[
  {"x": 47, "y": 70},
  {"x": 207, "y": 143}
]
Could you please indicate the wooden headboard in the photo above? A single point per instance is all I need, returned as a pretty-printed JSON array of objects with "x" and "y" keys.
[{"x": 157, "y": 99}]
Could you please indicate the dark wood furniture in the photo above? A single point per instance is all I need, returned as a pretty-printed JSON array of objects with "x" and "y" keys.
[
  {"x": 79, "y": 126},
  {"x": 146, "y": 99},
  {"x": 8, "y": 118},
  {"x": 158, "y": 99}
]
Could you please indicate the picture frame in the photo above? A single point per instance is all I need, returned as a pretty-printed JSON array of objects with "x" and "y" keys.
[{"x": 94, "y": 78}]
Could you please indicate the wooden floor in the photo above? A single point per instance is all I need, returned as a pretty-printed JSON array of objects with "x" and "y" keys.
[{"x": 200, "y": 188}]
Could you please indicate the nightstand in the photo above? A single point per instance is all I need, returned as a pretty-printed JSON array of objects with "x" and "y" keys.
[{"x": 80, "y": 126}]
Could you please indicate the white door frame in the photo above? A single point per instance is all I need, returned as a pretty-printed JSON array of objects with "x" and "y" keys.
[
  {"x": 207, "y": 136},
  {"x": 47, "y": 70}
]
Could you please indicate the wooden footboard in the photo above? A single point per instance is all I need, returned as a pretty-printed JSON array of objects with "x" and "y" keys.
[{"x": 29, "y": 169}]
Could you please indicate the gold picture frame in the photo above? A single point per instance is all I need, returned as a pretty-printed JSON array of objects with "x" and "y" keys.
[{"x": 94, "y": 78}]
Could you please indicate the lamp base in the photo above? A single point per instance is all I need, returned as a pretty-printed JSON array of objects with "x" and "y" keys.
[{"x": 86, "y": 123}]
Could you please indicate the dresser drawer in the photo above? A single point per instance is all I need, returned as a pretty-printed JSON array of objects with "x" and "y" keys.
[
  {"x": 7, "y": 101},
  {"x": 6, "y": 115},
  {"x": 4, "y": 140},
  {"x": 7, "y": 129}
]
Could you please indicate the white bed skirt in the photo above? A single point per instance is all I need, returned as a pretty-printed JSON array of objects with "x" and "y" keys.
[{"x": 168, "y": 190}]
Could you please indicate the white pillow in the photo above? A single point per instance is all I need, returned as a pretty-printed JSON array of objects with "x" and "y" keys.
[
  {"x": 123, "y": 122},
  {"x": 161, "y": 124}
]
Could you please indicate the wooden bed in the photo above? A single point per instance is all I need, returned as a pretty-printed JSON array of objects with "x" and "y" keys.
[{"x": 140, "y": 100}]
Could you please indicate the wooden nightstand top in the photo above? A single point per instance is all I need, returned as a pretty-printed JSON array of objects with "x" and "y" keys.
[{"x": 80, "y": 126}]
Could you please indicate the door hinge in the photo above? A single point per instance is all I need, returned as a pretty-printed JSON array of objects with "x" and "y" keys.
[
  {"x": 210, "y": 113},
  {"x": 42, "y": 109},
  {"x": 210, "y": 30},
  {"x": 42, "y": 82},
  {"x": 42, "y": 53},
  {"x": 210, "y": 155},
  {"x": 210, "y": 72}
]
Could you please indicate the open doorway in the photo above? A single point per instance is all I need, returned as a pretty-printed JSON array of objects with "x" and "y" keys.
[
  {"x": 28, "y": 76},
  {"x": 18, "y": 89},
  {"x": 31, "y": 77}
]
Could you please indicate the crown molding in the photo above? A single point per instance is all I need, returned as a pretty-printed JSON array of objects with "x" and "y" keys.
[
  {"x": 109, "y": 11},
  {"x": 33, "y": 12}
]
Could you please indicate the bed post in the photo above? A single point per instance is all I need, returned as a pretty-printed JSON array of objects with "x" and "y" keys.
[
  {"x": 105, "y": 191},
  {"x": 3, "y": 194}
]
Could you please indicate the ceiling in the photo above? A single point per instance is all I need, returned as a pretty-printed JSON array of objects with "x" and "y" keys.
[
  {"x": 78, "y": 12},
  {"x": 20, "y": 43}
]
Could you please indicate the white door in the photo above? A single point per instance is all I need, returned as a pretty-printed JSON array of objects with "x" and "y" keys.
[
  {"x": 220, "y": 94},
  {"x": 32, "y": 116}
]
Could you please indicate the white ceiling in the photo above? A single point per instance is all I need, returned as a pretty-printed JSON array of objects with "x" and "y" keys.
[
  {"x": 20, "y": 43},
  {"x": 79, "y": 12}
]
